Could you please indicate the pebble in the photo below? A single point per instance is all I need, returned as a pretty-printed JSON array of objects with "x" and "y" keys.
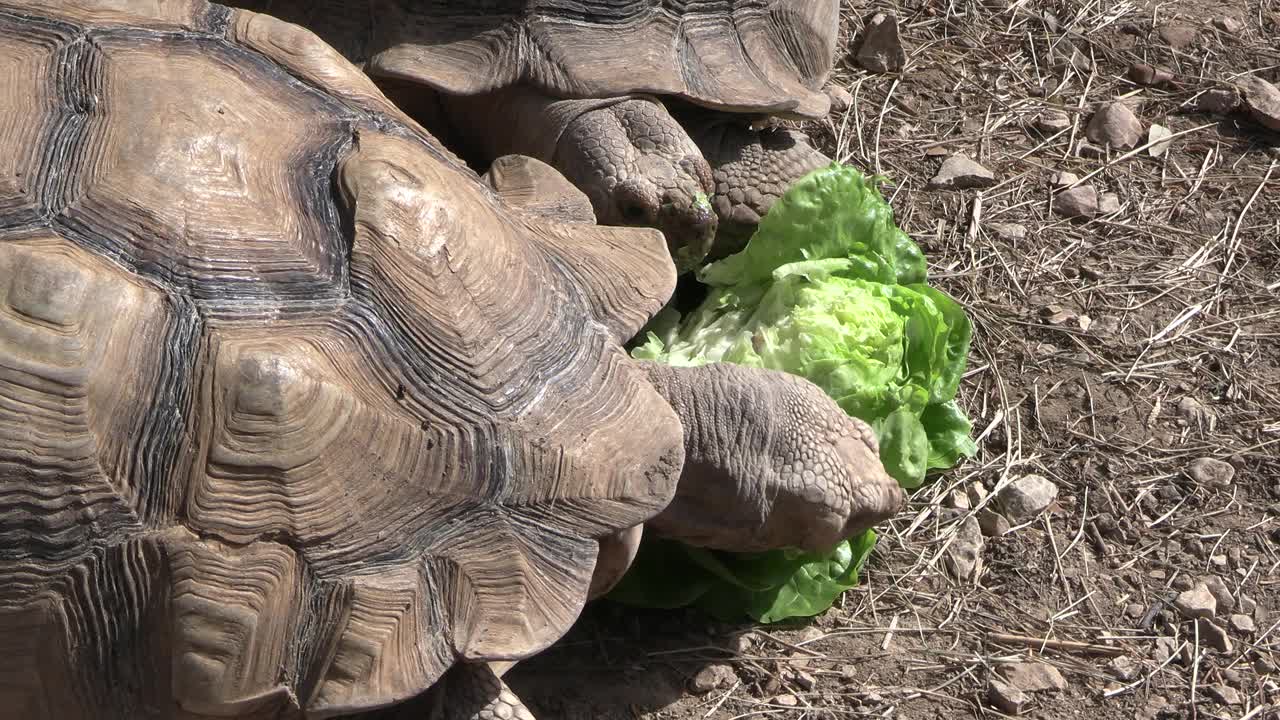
[
  {"x": 1115, "y": 124},
  {"x": 1243, "y": 624},
  {"x": 1248, "y": 605},
  {"x": 992, "y": 523},
  {"x": 1080, "y": 201},
  {"x": 1063, "y": 178},
  {"x": 1177, "y": 35},
  {"x": 1214, "y": 636},
  {"x": 1123, "y": 668},
  {"x": 1262, "y": 100},
  {"x": 1196, "y": 603},
  {"x": 881, "y": 50},
  {"x": 959, "y": 172},
  {"x": 1134, "y": 610},
  {"x": 1052, "y": 121},
  {"x": 712, "y": 677},
  {"x": 964, "y": 555},
  {"x": 1033, "y": 677},
  {"x": 1010, "y": 231},
  {"x": 1226, "y": 602},
  {"x": 1219, "y": 101},
  {"x": 1157, "y": 136},
  {"x": 1211, "y": 472},
  {"x": 1028, "y": 496},
  {"x": 786, "y": 700},
  {"x": 1108, "y": 204},
  {"x": 1229, "y": 24},
  {"x": 1165, "y": 648},
  {"x": 1006, "y": 698},
  {"x": 1149, "y": 75},
  {"x": 1224, "y": 694}
]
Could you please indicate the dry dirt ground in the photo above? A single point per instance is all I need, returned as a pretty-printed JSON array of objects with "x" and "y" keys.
[{"x": 1108, "y": 355}]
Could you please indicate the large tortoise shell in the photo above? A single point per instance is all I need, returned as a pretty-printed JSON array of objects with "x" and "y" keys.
[{"x": 294, "y": 413}]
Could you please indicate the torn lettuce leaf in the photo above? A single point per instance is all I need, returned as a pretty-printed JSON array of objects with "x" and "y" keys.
[{"x": 830, "y": 289}]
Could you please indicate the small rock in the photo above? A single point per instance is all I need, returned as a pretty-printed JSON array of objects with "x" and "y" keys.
[
  {"x": 1211, "y": 472},
  {"x": 992, "y": 523},
  {"x": 1218, "y": 101},
  {"x": 1115, "y": 124},
  {"x": 1149, "y": 75},
  {"x": 1026, "y": 498},
  {"x": 1243, "y": 624},
  {"x": 1229, "y": 24},
  {"x": 841, "y": 99},
  {"x": 786, "y": 700},
  {"x": 1065, "y": 54},
  {"x": 1006, "y": 698},
  {"x": 1224, "y": 694},
  {"x": 712, "y": 677},
  {"x": 1154, "y": 708},
  {"x": 1123, "y": 668},
  {"x": 1177, "y": 35},
  {"x": 1226, "y": 602},
  {"x": 1080, "y": 201},
  {"x": 1165, "y": 648},
  {"x": 1052, "y": 121},
  {"x": 1182, "y": 583},
  {"x": 1192, "y": 410},
  {"x": 1033, "y": 677},
  {"x": 1158, "y": 136},
  {"x": 1134, "y": 610},
  {"x": 1263, "y": 101},
  {"x": 964, "y": 555},
  {"x": 1214, "y": 636},
  {"x": 1108, "y": 204},
  {"x": 958, "y": 499},
  {"x": 1232, "y": 677},
  {"x": 1010, "y": 231},
  {"x": 881, "y": 50},
  {"x": 1263, "y": 666},
  {"x": 1063, "y": 178},
  {"x": 959, "y": 172},
  {"x": 1196, "y": 603},
  {"x": 1218, "y": 561},
  {"x": 805, "y": 680}
]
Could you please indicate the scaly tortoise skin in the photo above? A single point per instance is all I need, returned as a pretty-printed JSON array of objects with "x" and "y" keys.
[
  {"x": 296, "y": 417},
  {"x": 643, "y": 105}
]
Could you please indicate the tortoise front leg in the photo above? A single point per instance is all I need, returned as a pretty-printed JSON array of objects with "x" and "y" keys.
[{"x": 473, "y": 691}]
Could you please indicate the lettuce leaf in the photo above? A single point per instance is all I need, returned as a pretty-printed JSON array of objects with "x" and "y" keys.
[{"x": 828, "y": 288}]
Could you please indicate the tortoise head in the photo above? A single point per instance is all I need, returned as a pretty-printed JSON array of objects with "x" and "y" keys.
[{"x": 639, "y": 167}]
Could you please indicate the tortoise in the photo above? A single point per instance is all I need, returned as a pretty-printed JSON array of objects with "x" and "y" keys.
[
  {"x": 298, "y": 417},
  {"x": 648, "y": 106}
]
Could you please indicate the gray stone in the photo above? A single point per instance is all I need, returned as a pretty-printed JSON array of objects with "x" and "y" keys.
[
  {"x": 959, "y": 172},
  {"x": 1165, "y": 648},
  {"x": 1211, "y": 472},
  {"x": 1134, "y": 610},
  {"x": 1177, "y": 35},
  {"x": 1262, "y": 100},
  {"x": 1006, "y": 698},
  {"x": 1108, "y": 204},
  {"x": 992, "y": 523},
  {"x": 1229, "y": 24},
  {"x": 964, "y": 555},
  {"x": 1052, "y": 121},
  {"x": 1226, "y": 602},
  {"x": 1218, "y": 101},
  {"x": 1123, "y": 668},
  {"x": 1196, "y": 603},
  {"x": 1115, "y": 124},
  {"x": 1214, "y": 636},
  {"x": 1224, "y": 694},
  {"x": 881, "y": 50},
  {"x": 1080, "y": 201},
  {"x": 787, "y": 700},
  {"x": 712, "y": 677},
  {"x": 1144, "y": 74},
  {"x": 1027, "y": 497},
  {"x": 1010, "y": 231},
  {"x": 1063, "y": 178},
  {"x": 1033, "y": 677},
  {"x": 1158, "y": 137},
  {"x": 1243, "y": 624}
]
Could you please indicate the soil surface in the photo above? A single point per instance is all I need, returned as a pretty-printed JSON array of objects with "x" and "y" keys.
[{"x": 1109, "y": 355}]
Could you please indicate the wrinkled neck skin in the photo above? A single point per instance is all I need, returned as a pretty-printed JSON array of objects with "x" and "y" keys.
[
  {"x": 634, "y": 162},
  {"x": 751, "y": 169}
]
